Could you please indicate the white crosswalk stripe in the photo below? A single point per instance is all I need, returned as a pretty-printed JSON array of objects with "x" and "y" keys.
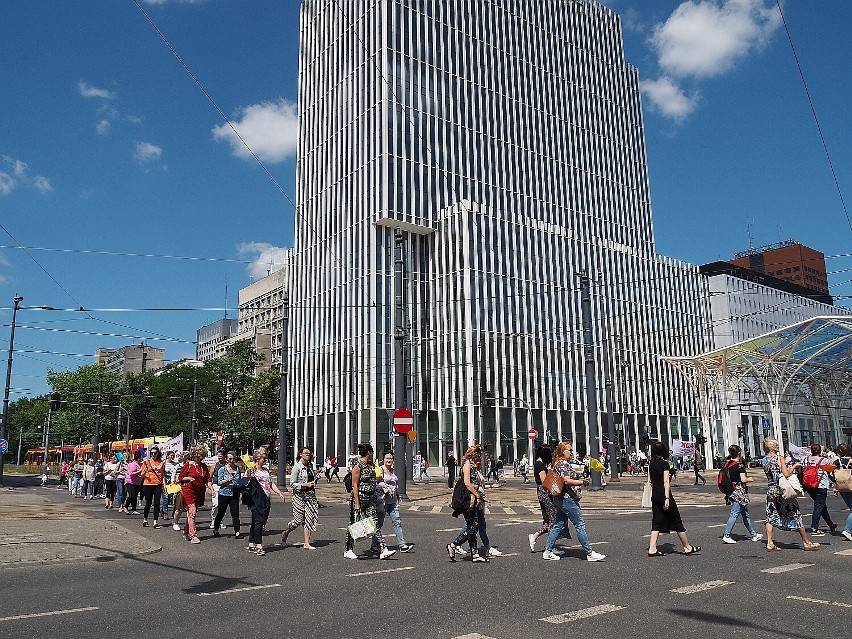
[
  {"x": 707, "y": 585},
  {"x": 473, "y": 635},
  {"x": 509, "y": 511},
  {"x": 847, "y": 552},
  {"x": 839, "y": 604},
  {"x": 582, "y": 614},
  {"x": 785, "y": 568}
]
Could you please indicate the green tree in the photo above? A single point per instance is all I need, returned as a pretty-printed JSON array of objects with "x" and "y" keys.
[
  {"x": 27, "y": 417},
  {"x": 88, "y": 393}
]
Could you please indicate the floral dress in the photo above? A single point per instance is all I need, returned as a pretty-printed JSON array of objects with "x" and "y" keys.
[{"x": 780, "y": 512}]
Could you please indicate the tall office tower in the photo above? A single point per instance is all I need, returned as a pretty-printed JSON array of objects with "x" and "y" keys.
[{"x": 503, "y": 141}]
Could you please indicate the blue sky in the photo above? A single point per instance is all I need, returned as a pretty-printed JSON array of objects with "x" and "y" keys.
[{"x": 109, "y": 146}]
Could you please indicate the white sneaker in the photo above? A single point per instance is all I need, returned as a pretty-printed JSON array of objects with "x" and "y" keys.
[
  {"x": 350, "y": 554},
  {"x": 211, "y": 525},
  {"x": 727, "y": 540},
  {"x": 531, "y": 537},
  {"x": 595, "y": 556},
  {"x": 846, "y": 534},
  {"x": 550, "y": 556},
  {"x": 175, "y": 527},
  {"x": 493, "y": 552},
  {"x": 756, "y": 537},
  {"x": 461, "y": 551},
  {"x": 387, "y": 552}
]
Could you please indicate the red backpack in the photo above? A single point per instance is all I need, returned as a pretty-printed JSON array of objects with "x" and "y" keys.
[{"x": 811, "y": 474}]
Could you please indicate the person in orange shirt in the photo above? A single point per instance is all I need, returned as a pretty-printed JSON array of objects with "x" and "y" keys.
[{"x": 153, "y": 483}]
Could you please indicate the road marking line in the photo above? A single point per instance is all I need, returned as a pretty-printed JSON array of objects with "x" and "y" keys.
[
  {"x": 473, "y": 635},
  {"x": 707, "y": 585},
  {"x": 514, "y": 523},
  {"x": 717, "y": 526},
  {"x": 436, "y": 509},
  {"x": 821, "y": 601},
  {"x": 509, "y": 511},
  {"x": 505, "y": 554},
  {"x": 456, "y": 529},
  {"x": 786, "y": 568},
  {"x": 230, "y": 590},
  {"x": 844, "y": 552},
  {"x": 631, "y": 512},
  {"x": 582, "y": 614},
  {"x": 378, "y": 572},
  {"x": 49, "y": 614},
  {"x": 595, "y": 543},
  {"x": 414, "y": 508}
]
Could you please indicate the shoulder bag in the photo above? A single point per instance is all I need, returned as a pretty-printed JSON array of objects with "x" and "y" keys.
[
  {"x": 463, "y": 500},
  {"x": 843, "y": 478},
  {"x": 646, "y": 495},
  {"x": 553, "y": 483}
]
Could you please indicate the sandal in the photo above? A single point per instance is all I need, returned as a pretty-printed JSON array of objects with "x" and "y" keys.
[
  {"x": 772, "y": 548},
  {"x": 810, "y": 546},
  {"x": 693, "y": 550},
  {"x": 658, "y": 553},
  {"x": 451, "y": 551}
]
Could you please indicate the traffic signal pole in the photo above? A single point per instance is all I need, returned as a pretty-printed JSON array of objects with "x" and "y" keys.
[
  {"x": 405, "y": 466},
  {"x": 592, "y": 419}
]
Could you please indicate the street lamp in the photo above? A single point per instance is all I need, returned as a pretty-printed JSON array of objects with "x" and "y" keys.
[{"x": 3, "y": 430}]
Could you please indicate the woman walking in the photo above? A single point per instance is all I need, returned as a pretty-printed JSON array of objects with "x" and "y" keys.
[
  {"x": 472, "y": 480},
  {"x": 664, "y": 512},
  {"x": 567, "y": 505},
  {"x": 543, "y": 461},
  {"x": 111, "y": 469},
  {"x": 844, "y": 461},
  {"x": 193, "y": 478},
  {"x": 780, "y": 512},
  {"x": 225, "y": 479},
  {"x": 303, "y": 481},
  {"x": 120, "y": 476},
  {"x": 387, "y": 499},
  {"x": 153, "y": 484},
  {"x": 132, "y": 484},
  {"x": 363, "y": 501},
  {"x": 178, "y": 506},
  {"x": 260, "y": 490}
]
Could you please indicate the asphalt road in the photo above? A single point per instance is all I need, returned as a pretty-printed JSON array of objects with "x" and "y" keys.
[{"x": 216, "y": 588}]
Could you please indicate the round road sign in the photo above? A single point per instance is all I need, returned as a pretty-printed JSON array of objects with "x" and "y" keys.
[
  {"x": 403, "y": 420},
  {"x": 532, "y": 433},
  {"x": 4, "y": 446}
]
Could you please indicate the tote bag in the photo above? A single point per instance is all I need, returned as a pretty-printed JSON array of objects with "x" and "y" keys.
[{"x": 363, "y": 527}]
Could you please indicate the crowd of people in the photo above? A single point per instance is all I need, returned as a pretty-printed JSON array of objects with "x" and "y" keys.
[{"x": 174, "y": 486}]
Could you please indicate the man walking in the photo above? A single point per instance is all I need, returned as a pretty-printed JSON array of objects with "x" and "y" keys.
[
  {"x": 451, "y": 469},
  {"x": 697, "y": 461},
  {"x": 739, "y": 498}
]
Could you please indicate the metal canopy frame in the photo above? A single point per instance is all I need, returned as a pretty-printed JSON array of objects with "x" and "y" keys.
[{"x": 810, "y": 361}]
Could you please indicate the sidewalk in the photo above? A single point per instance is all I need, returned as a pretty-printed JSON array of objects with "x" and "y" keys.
[{"x": 38, "y": 530}]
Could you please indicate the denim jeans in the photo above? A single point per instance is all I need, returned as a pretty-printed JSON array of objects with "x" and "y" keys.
[
  {"x": 847, "y": 498},
  {"x": 819, "y": 495},
  {"x": 392, "y": 510},
  {"x": 481, "y": 529},
  {"x": 77, "y": 486},
  {"x": 567, "y": 508},
  {"x": 119, "y": 492},
  {"x": 738, "y": 509},
  {"x": 164, "y": 504}
]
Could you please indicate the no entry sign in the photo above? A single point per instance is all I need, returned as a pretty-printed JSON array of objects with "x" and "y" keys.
[
  {"x": 532, "y": 433},
  {"x": 403, "y": 420}
]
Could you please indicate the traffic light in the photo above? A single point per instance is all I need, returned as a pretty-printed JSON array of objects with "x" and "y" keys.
[
  {"x": 740, "y": 431},
  {"x": 55, "y": 401}
]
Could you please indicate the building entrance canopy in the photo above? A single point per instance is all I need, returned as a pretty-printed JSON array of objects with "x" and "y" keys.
[{"x": 809, "y": 362}]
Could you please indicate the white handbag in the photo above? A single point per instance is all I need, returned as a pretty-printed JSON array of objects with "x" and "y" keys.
[{"x": 363, "y": 527}]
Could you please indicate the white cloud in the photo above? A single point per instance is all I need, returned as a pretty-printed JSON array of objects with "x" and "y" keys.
[
  {"x": 267, "y": 258},
  {"x": 145, "y": 152},
  {"x": 88, "y": 91},
  {"x": 270, "y": 129},
  {"x": 705, "y": 38},
  {"x": 668, "y": 98},
  {"x": 42, "y": 184},
  {"x": 19, "y": 176},
  {"x": 7, "y": 183},
  {"x": 103, "y": 127}
]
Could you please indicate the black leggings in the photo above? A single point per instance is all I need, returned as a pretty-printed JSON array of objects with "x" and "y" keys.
[
  {"x": 132, "y": 495},
  {"x": 153, "y": 494},
  {"x": 472, "y": 520},
  {"x": 110, "y": 489},
  {"x": 226, "y": 502}
]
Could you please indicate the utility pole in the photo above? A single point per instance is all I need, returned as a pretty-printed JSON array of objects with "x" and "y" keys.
[
  {"x": 399, "y": 337},
  {"x": 591, "y": 377},
  {"x": 193, "y": 423},
  {"x": 96, "y": 445},
  {"x": 613, "y": 449},
  {"x": 282, "y": 392},
  {"x": 482, "y": 391},
  {"x": 3, "y": 426}
]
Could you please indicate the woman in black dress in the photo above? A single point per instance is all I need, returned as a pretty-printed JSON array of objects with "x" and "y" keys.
[{"x": 666, "y": 517}]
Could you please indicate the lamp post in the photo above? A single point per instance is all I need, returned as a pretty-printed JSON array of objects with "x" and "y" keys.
[{"x": 3, "y": 427}]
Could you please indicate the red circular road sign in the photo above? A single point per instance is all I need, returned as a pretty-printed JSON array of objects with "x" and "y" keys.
[
  {"x": 403, "y": 420},
  {"x": 532, "y": 433}
]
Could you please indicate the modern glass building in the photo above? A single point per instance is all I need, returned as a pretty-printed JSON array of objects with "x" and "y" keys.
[{"x": 505, "y": 139}]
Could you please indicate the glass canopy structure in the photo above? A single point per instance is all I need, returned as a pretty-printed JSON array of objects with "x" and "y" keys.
[{"x": 805, "y": 364}]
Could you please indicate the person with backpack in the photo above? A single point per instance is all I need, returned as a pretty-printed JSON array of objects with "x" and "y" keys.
[
  {"x": 843, "y": 484},
  {"x": 816, "y": 481},
  {"x": 733, "y": 481}
]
